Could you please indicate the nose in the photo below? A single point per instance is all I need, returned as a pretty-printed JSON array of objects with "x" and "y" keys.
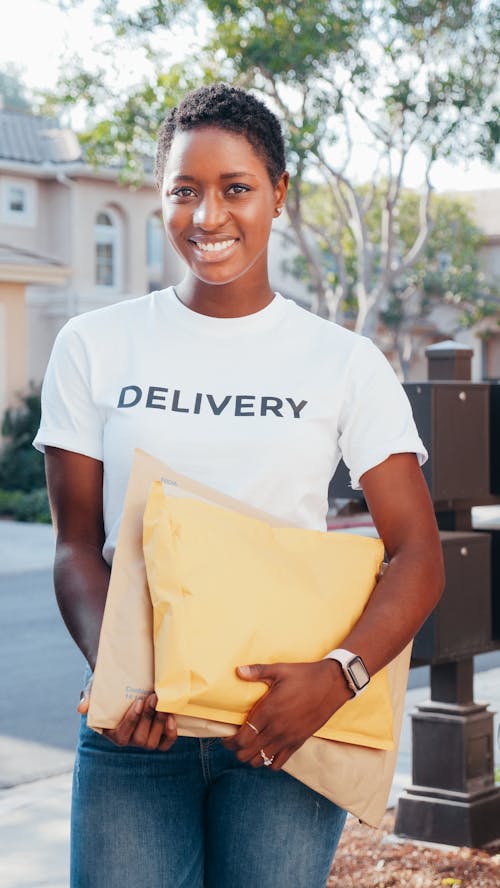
[{"x": 210, "y": 213}]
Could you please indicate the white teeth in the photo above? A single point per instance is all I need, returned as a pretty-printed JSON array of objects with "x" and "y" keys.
[{"x": 214, "y": 246}]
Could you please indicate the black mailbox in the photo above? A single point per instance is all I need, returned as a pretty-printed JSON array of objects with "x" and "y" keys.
[
  {"x": 460, "y": 625},
  {"x": 495, "y": 437},
  {"x": 453, "y": 421},
  {"x": 495, "y": 582},
  {"x": 340, "y": 485}
]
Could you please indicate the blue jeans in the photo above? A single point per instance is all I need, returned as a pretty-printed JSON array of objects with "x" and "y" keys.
[{"x": 194, "y": 817}]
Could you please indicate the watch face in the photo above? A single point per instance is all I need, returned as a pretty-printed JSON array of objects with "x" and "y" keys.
[{"x": 358, "y": 672}]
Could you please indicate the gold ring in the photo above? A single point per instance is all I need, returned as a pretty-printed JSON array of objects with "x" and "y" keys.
[{"x": 250, "y": 725}]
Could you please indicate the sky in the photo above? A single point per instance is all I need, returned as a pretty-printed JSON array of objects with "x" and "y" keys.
[
  {"x": 40, "y": 38},
  {"x": 35, "y": 33}
]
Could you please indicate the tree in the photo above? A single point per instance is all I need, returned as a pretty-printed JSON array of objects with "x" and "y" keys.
[
  {"x": 414, "y": 82},
  {"x": 12, "y": 89},
  {"x": 448, "y": 271}
]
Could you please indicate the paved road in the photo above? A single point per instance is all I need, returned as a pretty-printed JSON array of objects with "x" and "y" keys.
[{"x": 42, "y": 673}]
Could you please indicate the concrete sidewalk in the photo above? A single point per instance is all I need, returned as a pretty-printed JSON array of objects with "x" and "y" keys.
[
  {"x": 34, "y": 816},
  {"x": 34, "y": 834}
]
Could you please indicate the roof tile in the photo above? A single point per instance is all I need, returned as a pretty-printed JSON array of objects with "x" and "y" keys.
[{"x": 29, "y": 139}]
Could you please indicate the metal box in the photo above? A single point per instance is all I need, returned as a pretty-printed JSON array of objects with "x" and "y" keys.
[
  {"x": 495, "y": 437},
  {"x": 453, "y": 422},
  {"x": 460, "y": 625},
  {"x": 449, "y": 360},
  {"x": 495, "y": 582},
  {"x": 340, "y": 485}
]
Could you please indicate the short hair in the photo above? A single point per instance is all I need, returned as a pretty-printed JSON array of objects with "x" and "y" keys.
[{"x": 229, "y": 108}]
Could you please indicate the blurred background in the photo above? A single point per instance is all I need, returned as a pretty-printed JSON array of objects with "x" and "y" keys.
[
  {"x": 392, "y": 226},
  {"x": 390, "y": 109}
]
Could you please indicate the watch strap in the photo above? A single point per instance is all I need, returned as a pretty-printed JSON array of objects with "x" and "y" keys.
[{"x": 348, "y": 660}]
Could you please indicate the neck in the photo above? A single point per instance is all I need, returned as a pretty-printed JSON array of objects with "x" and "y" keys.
[{"x": 224, "y": 300}]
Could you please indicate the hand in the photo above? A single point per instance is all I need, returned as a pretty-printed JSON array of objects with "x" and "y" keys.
[
  {"x": 300, "y": 699},
  {"x": 83, "y": 706},
  {"x": 141, "y": 725}
]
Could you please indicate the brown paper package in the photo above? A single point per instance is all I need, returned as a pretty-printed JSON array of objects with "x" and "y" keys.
[{"x": 356, "y": 778}]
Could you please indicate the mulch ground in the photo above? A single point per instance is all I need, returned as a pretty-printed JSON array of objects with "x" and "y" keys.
[{"x": 369, "y": 858}]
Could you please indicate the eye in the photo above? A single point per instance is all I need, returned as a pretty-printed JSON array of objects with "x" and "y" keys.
[
  {"x": 237, "y": 188},
  {"x": 183, "y": 191}
]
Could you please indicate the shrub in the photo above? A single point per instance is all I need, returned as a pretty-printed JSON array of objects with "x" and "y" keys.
[
  {"x": 23, "y": 495},
  {"x": 9, "y": 501},
  {"x": 21, "y": 506},
  {"x": 21, "y": 466}
]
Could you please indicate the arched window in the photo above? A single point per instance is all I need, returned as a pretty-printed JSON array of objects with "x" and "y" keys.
[
  {"x": 155, "y": 246},
  {"x": 107, "y": 249}
]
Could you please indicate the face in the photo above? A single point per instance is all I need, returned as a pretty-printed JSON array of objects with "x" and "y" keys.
[{"x": 218, "y": 205}]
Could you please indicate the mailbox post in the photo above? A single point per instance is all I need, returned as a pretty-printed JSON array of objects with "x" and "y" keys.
[{"x": 453, "y": 798}]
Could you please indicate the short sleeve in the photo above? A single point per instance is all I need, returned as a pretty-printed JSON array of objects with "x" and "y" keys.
[
  {"x": 70, "y": 418},
  {"x": 376, "y": 418}
]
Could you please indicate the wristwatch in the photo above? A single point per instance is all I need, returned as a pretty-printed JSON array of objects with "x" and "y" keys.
[{"x": 355, "y": 672}]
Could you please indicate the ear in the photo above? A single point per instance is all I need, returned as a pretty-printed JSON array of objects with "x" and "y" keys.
[{"x": 280, "y": 193}]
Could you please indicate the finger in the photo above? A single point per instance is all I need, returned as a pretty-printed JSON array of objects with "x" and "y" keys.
[
  {"x": 243, "y": 737},
  {"x": 263, "y": 755},
  {"x": 252, "y": 727},
  {"x": 144, "y": 726},
  {"x": 84, "y": 703},
  {"x": 169, "y": 734},
  {"x": 281, "y": 758},
  {"x": 157, "y": 730},
  {"x": 83, "y": 706},
  {"x": 256, "y": 761},
  {"x": 246, "y": 743},
  {"x": 267, "y": 673},
  {"x": 123, "y": 732},
  {"x": 162, "y": 733},
  {"x": 247, "y": 751},
  {"x": 278, "y": 743}
]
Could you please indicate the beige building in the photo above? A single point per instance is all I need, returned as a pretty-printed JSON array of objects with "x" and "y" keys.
[
  {"x": 443, "y": 320},
  {"x": 72, "y": 238},
  {"x": 485, "y": 207},
  {"x": 20, "y": 269}
]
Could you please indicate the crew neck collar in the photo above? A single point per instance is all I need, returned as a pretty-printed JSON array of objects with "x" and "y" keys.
[{"x": 259, "y": 320}]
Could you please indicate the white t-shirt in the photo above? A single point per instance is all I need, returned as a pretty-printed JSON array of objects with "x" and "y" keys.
[{"x": 260, "y": 407}]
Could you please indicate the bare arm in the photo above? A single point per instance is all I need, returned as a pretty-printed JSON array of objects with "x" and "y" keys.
[
  {"x": 81, "y": 580},
  {"x": 411, "y": 586},
  {"x": 303, "y": 696},
  {"x": 81, "y": 576}
]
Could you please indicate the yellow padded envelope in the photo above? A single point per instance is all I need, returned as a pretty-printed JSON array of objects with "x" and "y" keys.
[{"x": 230, "y": 590}]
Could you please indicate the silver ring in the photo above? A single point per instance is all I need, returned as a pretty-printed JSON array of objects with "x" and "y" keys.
[
  {"x": 250, "y": 725},
  {"x": 267, "y": 761}
]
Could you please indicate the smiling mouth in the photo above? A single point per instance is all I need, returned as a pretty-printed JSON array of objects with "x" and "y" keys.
[{"x": 213, "y": 246}]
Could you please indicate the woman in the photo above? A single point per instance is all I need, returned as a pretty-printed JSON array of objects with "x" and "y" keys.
[{"x": 238, "y": 387}]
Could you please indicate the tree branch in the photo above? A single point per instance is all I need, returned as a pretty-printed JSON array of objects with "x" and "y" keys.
[
  {"x": 425, "y": 226},
  {"x": 294, "y": 213}
]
